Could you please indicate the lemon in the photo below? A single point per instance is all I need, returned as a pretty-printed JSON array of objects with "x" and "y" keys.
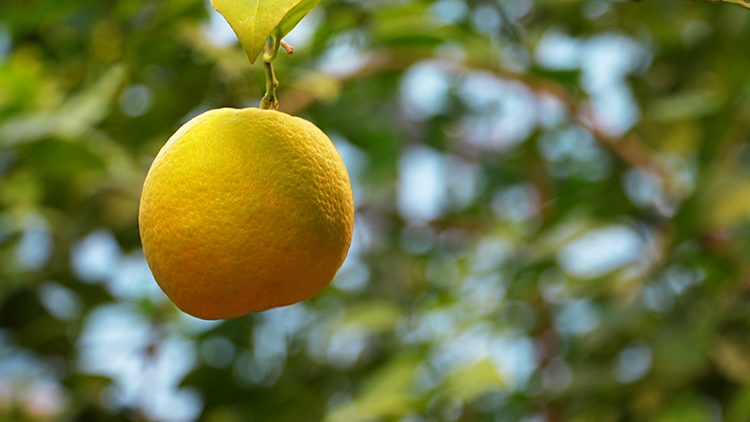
[{"x": 244, "y": 211}]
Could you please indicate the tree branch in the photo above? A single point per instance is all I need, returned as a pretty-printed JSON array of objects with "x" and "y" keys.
[
  {"x": 741, "y": 3},
  {"x": 629, "y": 148}
]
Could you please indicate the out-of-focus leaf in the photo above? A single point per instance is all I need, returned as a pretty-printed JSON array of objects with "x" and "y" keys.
[
  {"x": 224, "y": 414},
  {"x": 568, "y": 78},
  {"x": 681, "y": 138},
  {"x": 322, "y": 87},
  {"x": 554, "y": 237},
  {"x": 62, "y": 158},
  {"x": 255, "y": 20},
  {"x": 686, "y": 106},
  {"x": 726, "y": 202},
  {"x": 34, "y": 327},
  {"x": 680, "y": 351},
  {"x": 733, "y": 361},
  {"x": 73, "y": 119},
  {"x": 739, "y": 407},
  {"x": 409, "y": 25},
  {"x": 386, "y": 393},
  {"x": 374, "y": 317},
  {"x": 22, "y": 80},
  {"x": 475, "y": 380},
  {"x": 695, "y": 409},
  {"x": 22, "y": 191}
]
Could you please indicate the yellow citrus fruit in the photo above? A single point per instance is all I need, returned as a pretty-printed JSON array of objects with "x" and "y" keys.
[{"x": 245, "y": 210}]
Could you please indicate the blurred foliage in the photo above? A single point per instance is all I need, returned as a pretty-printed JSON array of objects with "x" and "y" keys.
[{"x": 553, "y": 213}]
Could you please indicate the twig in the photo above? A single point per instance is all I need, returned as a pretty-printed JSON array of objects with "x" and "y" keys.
[
  {"x": 286, "y": 46},
  {"x": 741, "y": 3}
]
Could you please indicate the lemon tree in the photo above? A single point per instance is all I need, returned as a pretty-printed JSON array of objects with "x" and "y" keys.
[{"x": 552, "y": 213}]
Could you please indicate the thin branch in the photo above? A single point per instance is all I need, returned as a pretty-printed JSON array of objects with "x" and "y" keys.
[
  {"x": 742, "y": 3},
  {"x": 288, "y": 47},
  {"x": 629, "y": 148}
]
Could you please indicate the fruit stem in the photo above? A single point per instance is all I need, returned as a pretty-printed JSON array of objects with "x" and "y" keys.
[{"x": 270, "y": 101}]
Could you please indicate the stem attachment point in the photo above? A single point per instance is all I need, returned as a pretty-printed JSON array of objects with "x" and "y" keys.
[{"x": 270, "y": 101}]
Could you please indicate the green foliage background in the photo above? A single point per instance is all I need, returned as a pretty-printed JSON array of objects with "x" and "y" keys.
[{"x": 573, "y": 271}]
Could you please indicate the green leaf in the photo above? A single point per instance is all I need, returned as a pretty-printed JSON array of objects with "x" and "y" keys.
[
  {"x": 255, "y": 20},
  {"x": 296, "y": 15}
]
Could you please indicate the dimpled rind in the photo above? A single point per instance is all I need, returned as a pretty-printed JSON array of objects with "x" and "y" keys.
[{"x": 245, "y": 210}]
